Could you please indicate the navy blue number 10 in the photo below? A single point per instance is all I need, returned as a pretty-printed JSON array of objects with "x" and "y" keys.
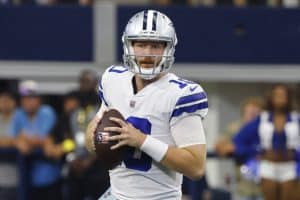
[{"x": 137, "y": 159}]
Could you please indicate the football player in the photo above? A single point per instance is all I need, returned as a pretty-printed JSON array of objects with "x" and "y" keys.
[{"x": 163, "y": 114}]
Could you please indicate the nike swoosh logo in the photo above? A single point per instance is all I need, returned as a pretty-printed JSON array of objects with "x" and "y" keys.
[{"x": 193, "y": 88}]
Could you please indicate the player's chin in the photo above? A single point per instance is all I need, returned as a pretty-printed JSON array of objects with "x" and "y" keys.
[{"x": 147, "y": 66}]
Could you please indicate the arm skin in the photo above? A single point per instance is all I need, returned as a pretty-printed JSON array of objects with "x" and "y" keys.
[{"x": 190, "y": 161}]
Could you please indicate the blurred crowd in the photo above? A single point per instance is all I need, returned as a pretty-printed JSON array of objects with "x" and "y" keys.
[
  {"x": 42, "y": 151},
  {"x": 204, "y": 3}
]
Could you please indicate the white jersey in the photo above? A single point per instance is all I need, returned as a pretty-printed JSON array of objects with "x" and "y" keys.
[{"x": 153, "y": 110}]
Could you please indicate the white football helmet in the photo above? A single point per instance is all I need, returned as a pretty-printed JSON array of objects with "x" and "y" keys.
[{"x": 150, "y": 25}]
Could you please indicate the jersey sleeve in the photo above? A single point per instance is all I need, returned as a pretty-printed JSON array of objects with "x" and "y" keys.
[
  {"x": 107, "y": 83},
  {"x": 102, "y": 85},
  {"x": 191, "y": 101},
  {"x": 193, "y": 131}
]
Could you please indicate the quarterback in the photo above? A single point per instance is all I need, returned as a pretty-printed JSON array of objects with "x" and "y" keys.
[{"x": 163, "y": 114}]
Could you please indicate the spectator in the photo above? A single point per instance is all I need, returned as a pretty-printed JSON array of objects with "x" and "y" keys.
[
  {"x": 61, "y": 141},
  {"x": 173, "y": 2},
  {"x": 290, "y": 3},
  {"x": 250, "y": 109},
  {"x": 31, "y": 125},
  {"x": 87, "y": 177},
  {"x": 283, "y": 3},
  {"x": 273, "y": 137},
  {"x": 239, "y": 3},
  {"x": 8, "y": 168},
  {"x": 85, "y": 2},
  {"x": 127, "y": 2},
  {"x": 86, "y": 92},
  {"x": 7, "y": 109}
]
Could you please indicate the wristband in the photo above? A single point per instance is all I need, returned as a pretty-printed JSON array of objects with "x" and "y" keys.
[{"x": 154, "y": 148}]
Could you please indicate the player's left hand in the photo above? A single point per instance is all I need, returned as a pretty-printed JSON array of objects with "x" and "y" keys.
[{"x": 129, "y": 134}]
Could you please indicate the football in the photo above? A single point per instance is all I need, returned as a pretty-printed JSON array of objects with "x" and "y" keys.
[{"x": 110, "y": 158}]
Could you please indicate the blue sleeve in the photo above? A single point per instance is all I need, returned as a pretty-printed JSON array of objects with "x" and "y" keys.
[
  {"x": 246, "y": 141},
  {"x": 48, "y": 120},
  {"x": 15, "y": 124}
]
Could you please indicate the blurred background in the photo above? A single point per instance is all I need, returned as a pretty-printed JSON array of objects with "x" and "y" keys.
[{"x": 53, "y": 52}]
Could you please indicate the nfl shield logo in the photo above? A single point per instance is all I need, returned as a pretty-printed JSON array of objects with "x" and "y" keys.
[
  {"x": 132, "y": 104},
  {"x": 100, "y": 137}
]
